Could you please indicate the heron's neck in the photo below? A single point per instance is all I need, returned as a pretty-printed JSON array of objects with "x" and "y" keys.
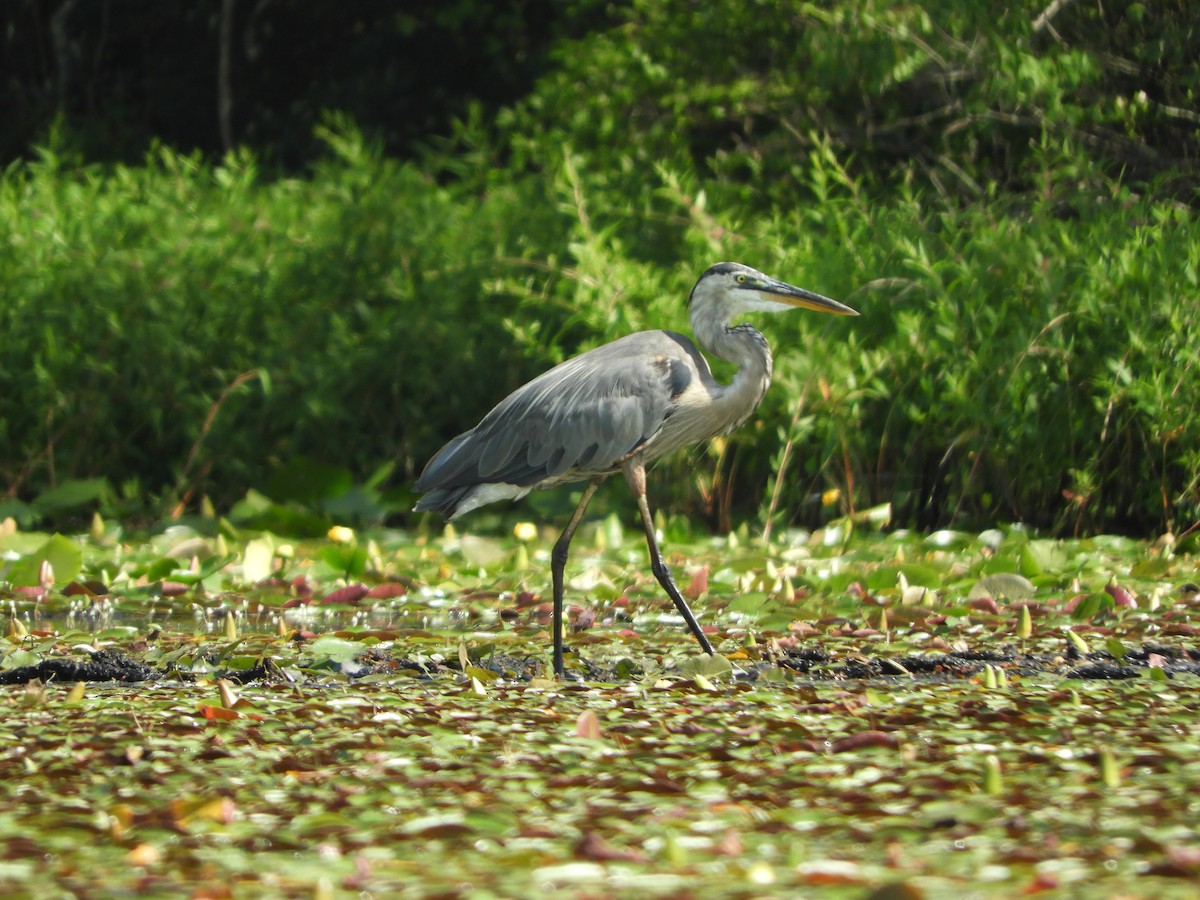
[{"x": 741, "y": 345}]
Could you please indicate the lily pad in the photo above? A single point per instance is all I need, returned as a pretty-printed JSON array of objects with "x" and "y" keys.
[{"x": 1003, "y": 584}]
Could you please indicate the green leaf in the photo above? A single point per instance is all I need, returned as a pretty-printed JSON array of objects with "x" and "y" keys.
[
  {"x": 161, "y": 568},
  {"x": 716, "y": 666},
  {"x": 1003, "y": 584},
  {"x": 751, "y": 603},
  {"x": 349, "y": 560},
  {"x": 486, "y": 676},
  {"x": 335, "y": 649},
  {"x": 1041, "y": 557},
  {"x": 15, "y": 659},
  {"x": 1091, "y": 605},
  {"x": 63, "y": 555},
  {"x": 71, "y": 494}
]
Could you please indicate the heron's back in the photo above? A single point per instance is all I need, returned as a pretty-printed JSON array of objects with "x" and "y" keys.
[{"x": 578, "y": 420}]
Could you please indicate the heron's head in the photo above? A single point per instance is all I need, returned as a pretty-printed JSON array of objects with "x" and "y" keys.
[{"x": 740, "y": 289}]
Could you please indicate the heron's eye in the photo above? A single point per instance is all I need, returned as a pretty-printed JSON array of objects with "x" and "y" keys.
[{"x": 740, "y": 279}]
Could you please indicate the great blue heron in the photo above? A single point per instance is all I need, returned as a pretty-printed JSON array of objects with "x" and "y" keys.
[{"x": 617, "y": 408}]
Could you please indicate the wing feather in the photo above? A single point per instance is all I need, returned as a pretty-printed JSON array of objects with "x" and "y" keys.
[{"x": 577, "y": 420}]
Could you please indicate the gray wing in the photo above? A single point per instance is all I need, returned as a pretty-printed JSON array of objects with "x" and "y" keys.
[{"x": 577, "y": 420}]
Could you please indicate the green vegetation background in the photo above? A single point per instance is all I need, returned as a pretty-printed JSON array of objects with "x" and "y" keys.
[{"x": 1007, "y": 192}]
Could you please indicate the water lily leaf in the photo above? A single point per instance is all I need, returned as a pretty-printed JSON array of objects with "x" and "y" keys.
[
  {"x": 946, "y": 539},
  {"x": 19, "y": 659},
  {"x": 496, "y": 824},
  {"x": 709, "y": 666},
  {"x": 117, "y": 633},
  {"x": 1041, "y": 557},
  {"x": 1003, "y": 584},
  {"x": 349, "y": 560},
  {"x": 752, "y": 602},
  {"x": 161, "y": 568},
  {"x": 22, "y": 542},
  {"x": 348, "y": 595},
  {"x": 481, "y": 551},
  {"x": 334, "y": 649},
  {"x": 62, "y": 556},
  {"x": 437, "y": 826},
  {"x": 886, "y": 578}
]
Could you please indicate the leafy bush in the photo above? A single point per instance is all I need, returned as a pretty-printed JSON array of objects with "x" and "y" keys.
[
  {"x": 1012, "y": 362},
  {"x": 999, "y": 196},
  {"x": 186, "y": 327},
  {"x": 1013, "y": 359},
  {"x": 997, "y": 193},
  {"x": 960, "y": 97}
]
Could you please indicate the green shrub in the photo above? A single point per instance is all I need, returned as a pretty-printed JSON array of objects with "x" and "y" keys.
[
  {"x": 958, "y": 96},
  {"x": 1002, "y": 206},
  {"x": 1017, "y": 359},
  {"x": 189, "y": 327},
  {"x": 1011, "y": 362}
]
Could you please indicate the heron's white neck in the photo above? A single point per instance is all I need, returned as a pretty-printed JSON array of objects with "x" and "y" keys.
[{"x": 741, "y": 345}]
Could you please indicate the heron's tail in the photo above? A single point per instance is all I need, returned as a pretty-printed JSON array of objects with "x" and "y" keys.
[{"x": 443, "y": 500}]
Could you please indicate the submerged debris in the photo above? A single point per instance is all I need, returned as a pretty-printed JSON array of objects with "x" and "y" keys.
[
  {"x": 105, "y": 665},
  {"x": 815, "y": 664},
  {"x": 819, "y": 665}
]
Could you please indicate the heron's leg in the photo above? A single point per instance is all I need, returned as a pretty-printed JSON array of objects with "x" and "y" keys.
[
  {"x": 635, "y": 474},
  {"x": 558, "y": 562}
]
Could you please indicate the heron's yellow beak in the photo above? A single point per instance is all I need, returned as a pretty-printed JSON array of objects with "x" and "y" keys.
[{"x": 794, "y": 296}]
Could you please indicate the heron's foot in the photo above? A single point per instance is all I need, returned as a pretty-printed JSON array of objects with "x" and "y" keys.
[{"x": 560, "y": 672}]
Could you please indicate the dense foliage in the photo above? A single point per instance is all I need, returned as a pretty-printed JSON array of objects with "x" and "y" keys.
[
  {"x": 174, "y": 321},
  {"x": 960, "y": 98},
  {"x": 1007, "y": 195}
]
